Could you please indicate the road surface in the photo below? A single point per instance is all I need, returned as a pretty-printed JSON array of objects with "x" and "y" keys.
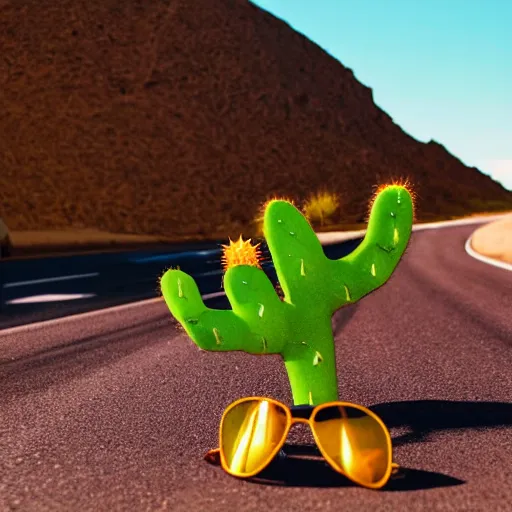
[{"x": 114, "y": 411}]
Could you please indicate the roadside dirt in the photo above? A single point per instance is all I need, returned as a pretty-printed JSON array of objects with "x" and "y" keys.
[{"x": 495, "y": 240}]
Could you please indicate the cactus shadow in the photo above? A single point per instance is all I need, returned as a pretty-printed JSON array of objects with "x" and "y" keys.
[
  {"x": 422, "y": 418},
  {"x": 342, "y": 317},
  {"x": 302, "y": 466}
]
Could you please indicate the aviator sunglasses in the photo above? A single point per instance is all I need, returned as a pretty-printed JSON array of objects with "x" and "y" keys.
[{"x": 352, "y": 439}]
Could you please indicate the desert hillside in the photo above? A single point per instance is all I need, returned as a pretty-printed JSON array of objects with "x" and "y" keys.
[{"x": 182, "y": 117}]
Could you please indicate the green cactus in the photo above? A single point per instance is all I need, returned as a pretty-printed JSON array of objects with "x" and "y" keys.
[{"x": 299, "y": 326}]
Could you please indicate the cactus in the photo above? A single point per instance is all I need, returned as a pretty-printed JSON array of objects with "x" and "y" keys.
[{"x": 299, "y": 326}]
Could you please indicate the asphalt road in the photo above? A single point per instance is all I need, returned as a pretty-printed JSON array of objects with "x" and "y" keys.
[
  {"x": 114, "y": 411},
  {"x": 33, "y": 290}
]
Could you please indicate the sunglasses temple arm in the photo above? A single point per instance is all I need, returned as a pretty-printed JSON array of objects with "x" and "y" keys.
[{"x": 213, "y": 456}]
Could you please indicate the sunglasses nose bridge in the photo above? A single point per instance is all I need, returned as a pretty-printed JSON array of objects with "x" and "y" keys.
[{"x": 300, "y": 420}]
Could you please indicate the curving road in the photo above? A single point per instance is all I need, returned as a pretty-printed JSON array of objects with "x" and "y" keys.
[{"x": 113, "y": 410}]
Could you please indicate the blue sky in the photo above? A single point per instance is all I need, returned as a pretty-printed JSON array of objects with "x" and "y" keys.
[{"x": 441, "y": 68}]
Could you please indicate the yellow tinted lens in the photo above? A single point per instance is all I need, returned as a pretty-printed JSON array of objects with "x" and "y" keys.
[
  {"x": 355, "y": 442},
  {"x": 251, "y": 434}
]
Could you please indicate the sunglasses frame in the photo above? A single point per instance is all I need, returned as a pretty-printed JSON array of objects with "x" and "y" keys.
[{"x": 306, "y": 415}]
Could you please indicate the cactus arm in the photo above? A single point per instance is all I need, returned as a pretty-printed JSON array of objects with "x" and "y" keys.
[
  {"x": 256, "y": 324},
  {"x": 254, "y": 300},
  {"x": 210, "y": 329},
  {"x": 371, "y": 264},
  {"x": 297, "y": 254}
]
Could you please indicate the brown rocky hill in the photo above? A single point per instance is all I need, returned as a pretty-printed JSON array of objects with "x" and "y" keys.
[{"x": 182, "y": 117}]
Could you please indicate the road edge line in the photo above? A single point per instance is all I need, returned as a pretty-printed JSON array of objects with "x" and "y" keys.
[
  {"x": 484, "y": 259},
  {"x": 95, "y": 312}
]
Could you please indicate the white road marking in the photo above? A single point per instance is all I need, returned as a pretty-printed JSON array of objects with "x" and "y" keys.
[
  {"x": 211, "y": 273},
  {"x": 44, "y": 324},
  {"x": 50, "y": 280},
  {"x": 35, "y": 299},
  {"x": 343, "y": 236},
  {"x": 485, "y": 259},
  {"x": 207, "y": 296},
  {"x": 174, "y": 255},
  {"x": 334, "y": 237},
  {"x": 89, "y": 314}
]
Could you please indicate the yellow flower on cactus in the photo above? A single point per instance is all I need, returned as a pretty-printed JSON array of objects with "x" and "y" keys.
[{"x": 240, "y": 253}]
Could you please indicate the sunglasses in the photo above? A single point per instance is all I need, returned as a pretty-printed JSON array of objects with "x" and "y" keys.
[{"x": 352, "y": 439}]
